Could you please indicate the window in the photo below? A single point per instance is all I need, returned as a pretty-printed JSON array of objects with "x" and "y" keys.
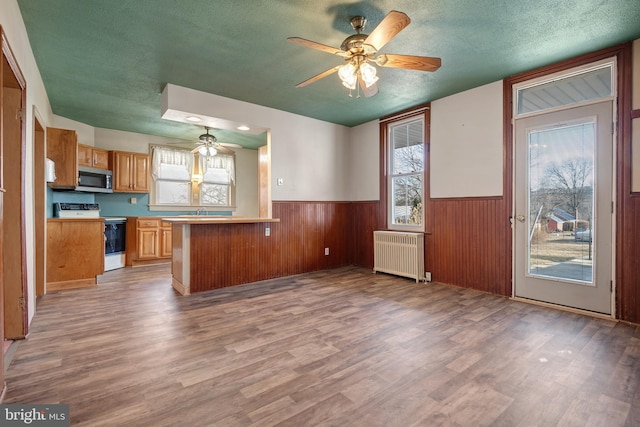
[
  {"x": 183, "y": 180},
  {"x": 218, "y": 177},
  {"x": 171, "y": 173},
  {"x": 563, "y": 89},
  {"x": 405, "y": 180}
]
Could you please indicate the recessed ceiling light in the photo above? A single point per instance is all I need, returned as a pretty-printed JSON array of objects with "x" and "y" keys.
[
  {"x": 243, "y": 127},
  {"x": 194, "y": 119}
]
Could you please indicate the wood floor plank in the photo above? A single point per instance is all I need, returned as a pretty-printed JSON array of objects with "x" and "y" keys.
[{"x": 339, "y": 347}]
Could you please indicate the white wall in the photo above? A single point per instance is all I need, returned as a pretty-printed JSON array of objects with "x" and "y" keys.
[
  {"x": 86, "y": 133},
  {"x": 466, "y": 143},
  {"x": 309, "y": 155},
  {"x": 247, "y": 183},
  {"x": 111, "y": 139},
  {"x": 363, "y": 168},
  {"x": 37, "y": 106}
]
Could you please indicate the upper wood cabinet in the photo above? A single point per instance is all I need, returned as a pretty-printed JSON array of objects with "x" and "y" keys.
[
  {"x": 93, "y": 157},
  {"x": 130, "y": 171},
  {"x": 62, "y": 148}
]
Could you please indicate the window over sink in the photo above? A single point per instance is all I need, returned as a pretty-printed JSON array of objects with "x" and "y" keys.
[{"x": 183, "y": 180}]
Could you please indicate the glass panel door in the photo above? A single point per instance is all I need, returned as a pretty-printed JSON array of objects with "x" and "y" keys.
[{"x": 563, "y": 199}]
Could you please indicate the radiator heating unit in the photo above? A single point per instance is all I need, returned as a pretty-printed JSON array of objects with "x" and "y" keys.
[{"x": 399, "y": 253}]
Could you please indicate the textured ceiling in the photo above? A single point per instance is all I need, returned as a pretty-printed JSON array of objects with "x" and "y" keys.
[{"x": 105, "y": 63}]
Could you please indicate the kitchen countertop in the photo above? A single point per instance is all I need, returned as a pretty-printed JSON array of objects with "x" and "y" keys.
[
  {"x": 76, "y": 219},
  {"x": 201, "y": 219}
]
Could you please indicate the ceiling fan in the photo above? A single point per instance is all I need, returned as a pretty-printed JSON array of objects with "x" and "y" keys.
[
  {"x": 209, "y": 146},
  {"x": 359, "y": 51}
]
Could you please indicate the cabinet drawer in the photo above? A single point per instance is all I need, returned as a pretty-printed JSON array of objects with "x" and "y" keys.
[{"x": 148, "y": 223}]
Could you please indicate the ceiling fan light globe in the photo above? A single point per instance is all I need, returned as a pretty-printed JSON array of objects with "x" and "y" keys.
[
  {"x": 347, "y": 72},
  {"x": 370, "y": 82},
  {"x": 368, "y": 74},
  {"x": 349, "y": 85},
  {"x": 212, "y": 151},
  {"x": 202, "y": 150}
]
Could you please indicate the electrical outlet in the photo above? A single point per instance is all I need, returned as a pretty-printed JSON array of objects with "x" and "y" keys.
[
  {"x": 267, "y": 232},
  {"x": 427, "y": 276},
  {"x": 133, "y": 200},
  {"x": 326, "y": 251}
]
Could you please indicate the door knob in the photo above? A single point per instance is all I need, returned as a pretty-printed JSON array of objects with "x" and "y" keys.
[{"x": 520, "y": 218}]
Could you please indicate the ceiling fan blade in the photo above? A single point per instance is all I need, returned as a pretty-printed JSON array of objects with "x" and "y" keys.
[
  {"x": 317, "y": 46},
  {"x": 390, "y": 26},
  {"x": 410, "y": 62},
  {"x": 224, "y": 150},
  {"x": 229, "y": 144},
  {"x": 319, "y": 76},
  {"x": 370, "y": 91}
]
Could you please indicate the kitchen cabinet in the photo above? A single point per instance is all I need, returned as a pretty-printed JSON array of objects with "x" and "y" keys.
[
  {"x": 75, "y": 252},
  {"x": 93, "y": 157},
  {"x": 165, "y": 240},
  {"x": 150, "y": 241},
  {"x": 62, "y": 148},
  {"x": 130, "y": 171},
  {"x": 148, "y": 238}
]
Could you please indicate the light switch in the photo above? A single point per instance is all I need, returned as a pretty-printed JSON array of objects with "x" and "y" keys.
[{"x": 280, "y": 181}]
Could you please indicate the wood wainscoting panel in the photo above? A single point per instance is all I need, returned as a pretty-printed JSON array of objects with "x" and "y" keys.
[
  {"x": 471, "y": 244},
  {"x": 296, "y": 244},
  {"x": 363, "y": 221},
  {"x": 628, "y": 267},
  {"x": 253, "y": 255},
  {"x": 628, "y": 203}
]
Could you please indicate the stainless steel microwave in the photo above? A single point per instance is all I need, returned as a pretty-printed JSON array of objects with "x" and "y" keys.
[{"x": 94, "y": 180}]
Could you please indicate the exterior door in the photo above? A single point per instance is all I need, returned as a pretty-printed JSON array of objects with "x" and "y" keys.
[{"x": 563, "y": 207}]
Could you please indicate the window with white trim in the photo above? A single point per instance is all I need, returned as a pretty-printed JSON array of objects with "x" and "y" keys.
[
  {"x": 218, "y": 179},
  {"x": 184, "y": 180},
  {"x": 406, "y": 173},
  {"x": 171, "y": 172}
]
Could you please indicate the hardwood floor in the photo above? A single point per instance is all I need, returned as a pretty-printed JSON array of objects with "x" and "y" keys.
[{"x": 340, "y": 347}]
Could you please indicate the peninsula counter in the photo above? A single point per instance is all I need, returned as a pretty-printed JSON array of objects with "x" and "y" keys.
[{"x": 210, "y": 252}]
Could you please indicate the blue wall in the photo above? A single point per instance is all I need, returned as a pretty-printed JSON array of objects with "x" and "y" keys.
[{"x": 116, "y": 204}]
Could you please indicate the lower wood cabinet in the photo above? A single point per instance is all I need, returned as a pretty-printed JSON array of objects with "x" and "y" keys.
[
  {"x": 148, "y": 241},
  {"x": 165, "y": 240},
  {"x": 75, "y": 252}
]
